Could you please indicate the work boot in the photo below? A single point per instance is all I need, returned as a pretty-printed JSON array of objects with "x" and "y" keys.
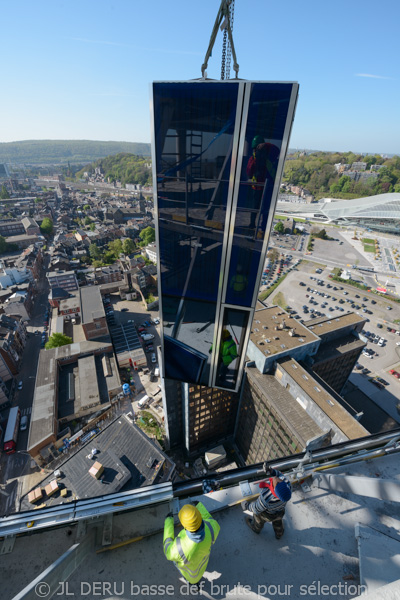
[
  {"x": 249, "y": 523},
  {"x": 280, "y": 532},
  {"x": 244, "y": 504}
]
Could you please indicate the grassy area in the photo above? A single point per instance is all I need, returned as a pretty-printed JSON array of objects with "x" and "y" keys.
[
  {"x": 279, "y": 299},
  {"x": 368, "y": 241},
  {"x": 305, "y": 262},
  {"x": 264, "y": 295},
  {"x": 148, "y": 423},
  {"x": 283, "y": 218},
  {"x": 337, "y": 271},
  {"x": 368, "y": 248}
]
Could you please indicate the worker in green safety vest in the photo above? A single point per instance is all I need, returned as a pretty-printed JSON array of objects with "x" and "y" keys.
[
  {"x": 227, "y": 354},
  {"x": 190, "y": 550}
]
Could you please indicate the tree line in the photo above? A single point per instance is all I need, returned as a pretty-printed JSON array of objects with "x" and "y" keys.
[
  {"x": 62, "y": 151},
  {"x": 316, "y": 172},
  {"x": 123, "y": 167}
]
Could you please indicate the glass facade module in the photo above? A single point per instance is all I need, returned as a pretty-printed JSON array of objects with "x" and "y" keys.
[
  {"x": 268, "y": 110},
  {"x": 219, "y": 149},
  {"x": 194, "y": 126}
]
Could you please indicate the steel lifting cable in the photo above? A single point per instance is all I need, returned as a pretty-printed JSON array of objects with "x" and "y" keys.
[
  {"x": 229, "y": 49},
  {"x": 223, "y": 21},
  {"x": 224, "y": 54}
]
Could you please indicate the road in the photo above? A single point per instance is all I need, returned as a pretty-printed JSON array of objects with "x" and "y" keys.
[{"x": 13, "y": 466}]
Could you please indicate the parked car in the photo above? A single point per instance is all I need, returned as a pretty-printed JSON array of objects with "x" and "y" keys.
[
  {"x": 153, "y": 358},
  {"x": 382, "y": 381},
  {"x": 24, "y": 423},
  {"x": 378, "y": 385},
  {"x": 147, "y": 336},
  {"x": 20, "y": 384},
  {"x": 394, "y": 373},
  {"x": 124, "y": 309}
]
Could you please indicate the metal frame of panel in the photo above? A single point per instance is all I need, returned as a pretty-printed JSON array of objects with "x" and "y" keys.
[
  {"x": 228, "y": 226},
  {"x": 220, "y": 318}
]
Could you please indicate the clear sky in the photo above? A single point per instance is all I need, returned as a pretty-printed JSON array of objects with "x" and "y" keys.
[{"x": 80, "y": 69}]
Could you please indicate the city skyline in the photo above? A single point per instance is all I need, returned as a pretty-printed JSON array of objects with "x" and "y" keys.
[{"x": 83, "y": 71}]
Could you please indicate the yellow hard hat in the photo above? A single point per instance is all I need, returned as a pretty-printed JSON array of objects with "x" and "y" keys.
[{"x": 190, "y": 517}]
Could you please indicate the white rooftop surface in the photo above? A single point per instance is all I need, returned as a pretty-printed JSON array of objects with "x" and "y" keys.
[{"x": 319, "y": 548}]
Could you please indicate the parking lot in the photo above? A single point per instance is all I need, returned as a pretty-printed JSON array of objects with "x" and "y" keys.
[{"x": 308, "y": 295}]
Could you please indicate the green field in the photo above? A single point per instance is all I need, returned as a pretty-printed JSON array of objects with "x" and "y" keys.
[
  {"x": 368, "y": 241},
  {"x": 279, "y": 299},
  {"x": 368, "y": 248}
]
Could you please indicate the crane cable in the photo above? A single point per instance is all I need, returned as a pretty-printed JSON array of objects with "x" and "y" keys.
[
  {"x": 228, "y": 48},
  {"x": 224, "y": 22}
]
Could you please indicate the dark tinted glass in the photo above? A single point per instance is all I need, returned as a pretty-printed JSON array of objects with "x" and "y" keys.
[
  {"x": 194, "y": 125},
  {"x": 231, "y": 347},
  {"x": 265, "y": 128}
]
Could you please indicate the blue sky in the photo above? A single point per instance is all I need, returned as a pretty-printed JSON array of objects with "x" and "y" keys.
[{"x": 81, "y": 69}]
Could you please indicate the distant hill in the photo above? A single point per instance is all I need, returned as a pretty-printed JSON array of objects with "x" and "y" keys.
[
  {"x": 37, "y": 152},
  {"x": 123, "y": 167}
]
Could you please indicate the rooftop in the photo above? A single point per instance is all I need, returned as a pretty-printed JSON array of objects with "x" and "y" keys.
[
  {"x": 130, "y": 460},
  {"x": 91, "y": 303},
  {"x": 44, "y": 409},
  {"x": 264, "y": 330},
  {"x": 334, "y": 411},
  {"x": 326, "y": 324},
  {"x": 339, "y": 346}
]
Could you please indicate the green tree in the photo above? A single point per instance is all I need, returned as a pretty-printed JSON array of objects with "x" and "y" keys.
[
  {"x": 147, "y": 235},
  {"x": 4, "y": 195},
  {"x": 128, "y": 246},
  {"x": 87, "y": 221},
  {"x": 92, "y": 226},
  {"x": 279, "y": 227},
  {"x": 46, "y": 226},
  {"x": 3, "y": 245},
  {"x": 86, "y": 207},
  {"x": 115, "y": 248},
  {"x": 94, "y": 252},
  {"x": 56, "y": 340}
]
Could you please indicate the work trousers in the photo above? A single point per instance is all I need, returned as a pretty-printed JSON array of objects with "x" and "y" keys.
[{"x": 259, "y": 519}]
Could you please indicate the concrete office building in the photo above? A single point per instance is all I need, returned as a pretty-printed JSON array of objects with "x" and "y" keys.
[{"x": 284, "y": 399}]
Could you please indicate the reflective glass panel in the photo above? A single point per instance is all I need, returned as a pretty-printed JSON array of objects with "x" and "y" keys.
[
  {"x": 231, "y": 347},
  {"x": 194, "y": 126},
  {"x": 268, "y": 112}
]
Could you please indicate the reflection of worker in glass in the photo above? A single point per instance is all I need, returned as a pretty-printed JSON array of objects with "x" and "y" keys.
[
  {"x": 261, "y": 169},
  {"x": 227, "y": 354},
  {"x": 238, "y": 283}
]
